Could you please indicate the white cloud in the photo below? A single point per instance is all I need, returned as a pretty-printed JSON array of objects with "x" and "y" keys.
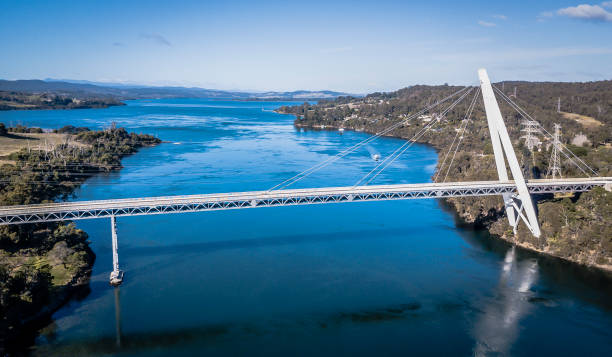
[
  {"x": 502, "y": 17},
  {"x": 587, "y": 12},
  {"x": 607, "y": 4},
  {"x": 486, "y": 24}
]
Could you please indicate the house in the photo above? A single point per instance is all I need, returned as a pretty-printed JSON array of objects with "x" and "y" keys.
[{"x": 425, "y": 118}]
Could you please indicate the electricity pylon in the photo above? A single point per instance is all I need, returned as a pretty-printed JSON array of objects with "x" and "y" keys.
[
  {"x": 530, "y": 128},
  {"x": 554, "y": 165}
]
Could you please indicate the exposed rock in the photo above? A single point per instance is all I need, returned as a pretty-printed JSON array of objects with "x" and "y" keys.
[{"x": 580, "y": 140}]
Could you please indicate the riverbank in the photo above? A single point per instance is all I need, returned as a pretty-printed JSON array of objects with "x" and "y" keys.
[
  {"x": 43, "y": 266},
  {"x": 573, "y": 228}
]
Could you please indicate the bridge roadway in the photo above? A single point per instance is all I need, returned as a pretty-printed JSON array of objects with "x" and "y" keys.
[{"x": 236, "y": 200}]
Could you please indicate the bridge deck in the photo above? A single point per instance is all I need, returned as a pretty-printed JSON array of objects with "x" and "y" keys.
[{"x": 236, "y": 200}]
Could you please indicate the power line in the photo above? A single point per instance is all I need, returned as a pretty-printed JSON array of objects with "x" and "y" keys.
[{"x": 525, "y": 115}]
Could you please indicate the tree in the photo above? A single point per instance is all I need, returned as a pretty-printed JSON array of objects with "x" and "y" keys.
[{"x": 3, "y": 130}]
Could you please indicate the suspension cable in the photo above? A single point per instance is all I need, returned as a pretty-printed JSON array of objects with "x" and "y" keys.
[
  {"x": 526, "y": 115},
  {"x": 397, "y": 153},
  {"x": 462, "y": 127},
  {"x": 349, "y": 150},
  {"x": 467, "y": 120}
]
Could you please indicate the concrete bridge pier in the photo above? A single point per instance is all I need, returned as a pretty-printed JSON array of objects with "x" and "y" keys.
[{"x": 116, "y": 276}]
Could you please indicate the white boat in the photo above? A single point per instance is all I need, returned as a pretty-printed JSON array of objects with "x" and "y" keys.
[
  {"x": 376, "y": 157},
  {"x": 341, "y": 130}
]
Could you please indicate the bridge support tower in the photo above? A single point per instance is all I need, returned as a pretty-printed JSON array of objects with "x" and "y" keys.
[
  {"x": 517, "y": 205},
  {"x": 116, "y": 276}
]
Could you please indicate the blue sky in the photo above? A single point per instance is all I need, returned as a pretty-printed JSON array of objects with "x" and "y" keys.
[{"x": 350, "y": 46}]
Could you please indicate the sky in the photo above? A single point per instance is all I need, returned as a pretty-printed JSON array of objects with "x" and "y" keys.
[{"x": 351, "y": 46}]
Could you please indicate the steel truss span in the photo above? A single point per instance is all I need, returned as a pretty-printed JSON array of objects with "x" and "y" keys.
[{"x": 222, "y": 201}]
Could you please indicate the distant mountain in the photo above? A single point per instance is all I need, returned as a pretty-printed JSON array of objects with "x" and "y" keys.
[
  {"x": 87, "y": 90},
  {"x": 300, "y": 94},
  {"x": 101, "y": 84}
]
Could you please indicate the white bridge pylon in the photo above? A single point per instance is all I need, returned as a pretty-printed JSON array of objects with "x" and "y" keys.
[{"x": 515, "y": 203}]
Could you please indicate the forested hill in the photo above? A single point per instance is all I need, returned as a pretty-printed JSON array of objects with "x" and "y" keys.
[
  {"x": 586, "y": 107},
  {"x": 588, "y": 98},
  {"x": 592, "y": 99}
]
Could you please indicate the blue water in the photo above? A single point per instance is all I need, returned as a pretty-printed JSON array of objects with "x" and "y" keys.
[{"x": 375, "y": 278}]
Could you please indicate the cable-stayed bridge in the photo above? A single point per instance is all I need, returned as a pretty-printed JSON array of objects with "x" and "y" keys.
[
  {"x": 239, "y": 200},
  {"x": 516, "y": 191}
]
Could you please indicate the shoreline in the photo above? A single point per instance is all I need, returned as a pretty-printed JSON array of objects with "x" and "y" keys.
[
  {"x": 19, "y": 329},
  {"x": 30, "y": 327},
  {"x": 465, "y": 219}
]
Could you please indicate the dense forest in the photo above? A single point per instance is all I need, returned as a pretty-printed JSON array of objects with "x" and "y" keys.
[
  {"x": 42, "y": 265},
  {"x": 10, "y": 100},
  {"x": 575, "y": 228}
]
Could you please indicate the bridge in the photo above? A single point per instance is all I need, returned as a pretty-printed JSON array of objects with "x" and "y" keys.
[
  {"x": 237, "y": 200},
  {"x": 516, "y": 192}
]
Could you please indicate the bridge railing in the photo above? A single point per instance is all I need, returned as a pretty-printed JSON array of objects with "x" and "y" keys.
[{"x": 237, "y": 200}]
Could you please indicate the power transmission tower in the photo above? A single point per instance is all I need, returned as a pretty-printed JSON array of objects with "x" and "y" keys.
[
  {"x": 530, "y": 128},
  {"x": 554, "y": 165},
  {"x": 559, "y": 105}
]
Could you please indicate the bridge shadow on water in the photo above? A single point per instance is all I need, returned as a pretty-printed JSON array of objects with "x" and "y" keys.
[
  {"x": 284, "y": 240},
  {"x": 170, "y": 253}
]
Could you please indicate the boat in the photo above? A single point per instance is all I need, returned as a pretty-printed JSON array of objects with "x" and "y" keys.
[
  {"x": 341, "y": 130},
  {"x": 376, "y": 157}
]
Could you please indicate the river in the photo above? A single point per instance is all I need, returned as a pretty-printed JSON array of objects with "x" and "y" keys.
[{"x": 370, "y": 278}]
